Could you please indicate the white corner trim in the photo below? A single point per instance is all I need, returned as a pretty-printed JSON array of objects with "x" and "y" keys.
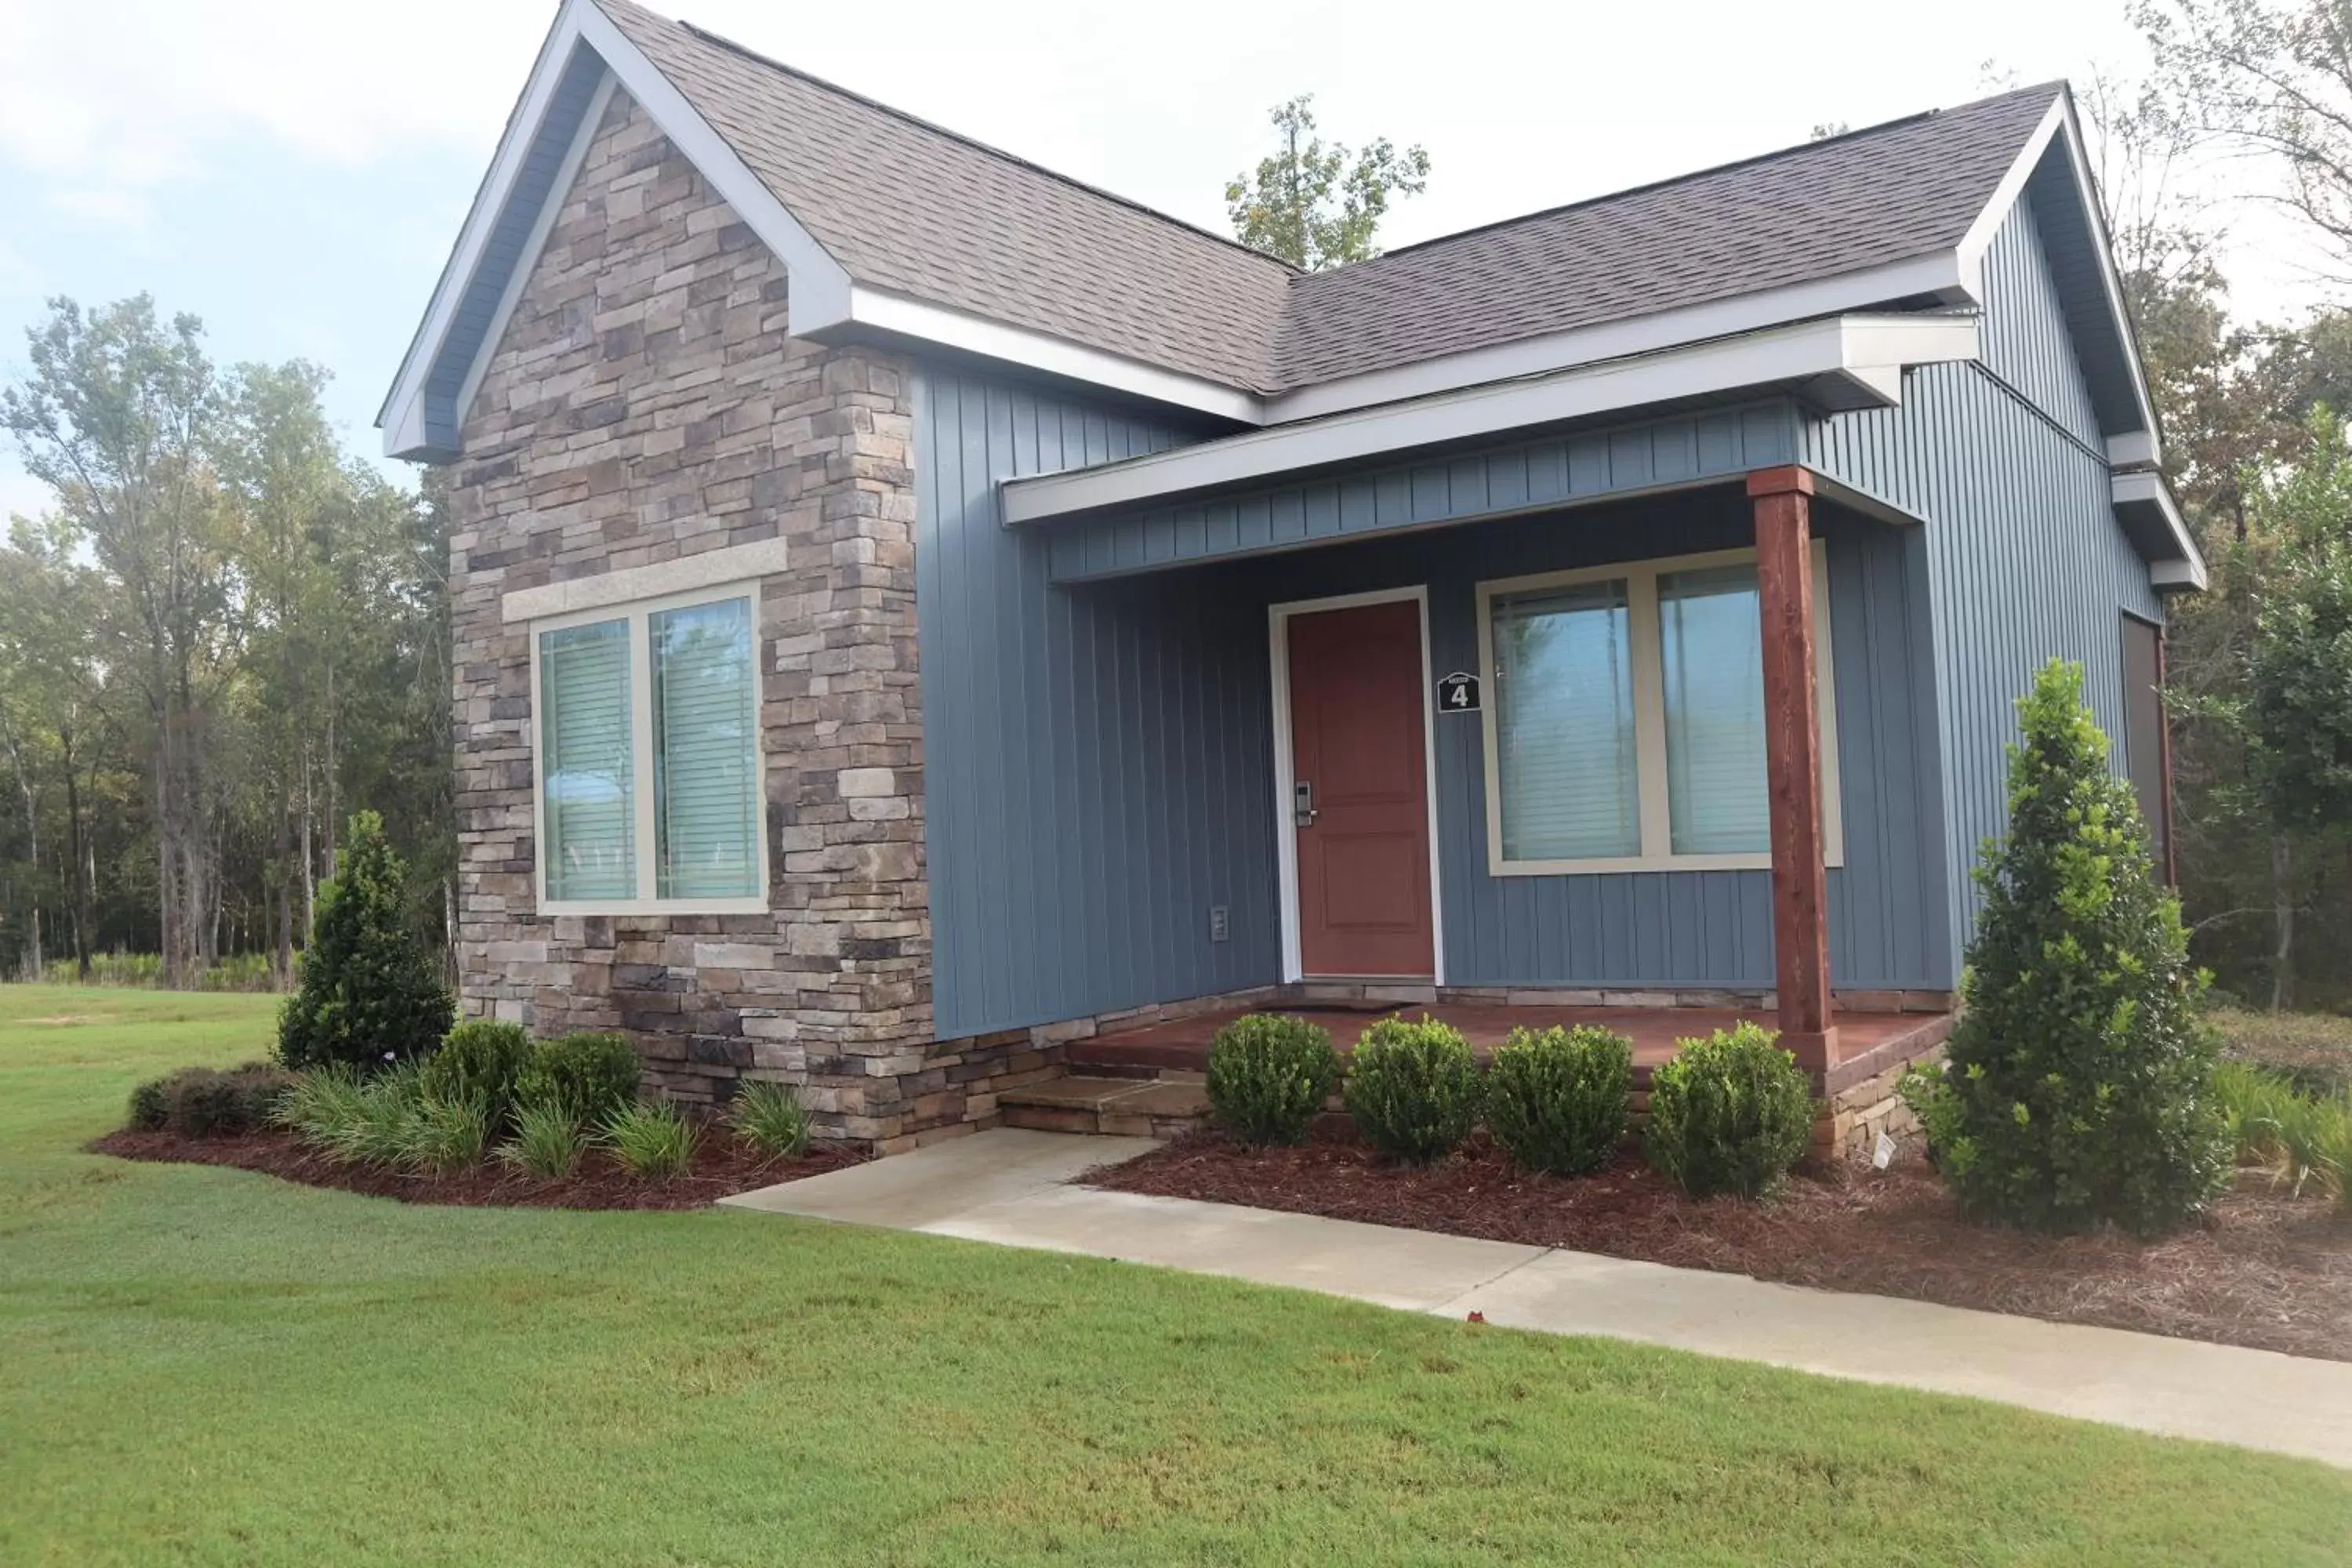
[
  {"x": 659, "y": 579},
  {"x": 2145, "y": 487},
  {"x": 1935, "y": 274},
  {"x": 901, "y": 315},
  {"x": 1849, "y": 347},
  {"x": 528, "y": 261},
  {"x": 1285, "y": 770}
]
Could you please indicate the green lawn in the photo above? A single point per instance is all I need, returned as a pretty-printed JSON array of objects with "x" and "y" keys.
[{"x": 206, "y": 1366}]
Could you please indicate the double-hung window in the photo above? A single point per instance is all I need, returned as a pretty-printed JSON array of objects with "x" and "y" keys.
[
  {"x": 1625, "y": 726},
  {"x": 647, "y": 740}
]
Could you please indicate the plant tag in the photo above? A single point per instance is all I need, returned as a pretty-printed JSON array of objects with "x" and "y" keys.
[{"x": 1882, "y": 1154}]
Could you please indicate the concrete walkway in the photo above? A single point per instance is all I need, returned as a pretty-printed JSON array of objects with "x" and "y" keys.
[{"x": 1013, "y": 1188}]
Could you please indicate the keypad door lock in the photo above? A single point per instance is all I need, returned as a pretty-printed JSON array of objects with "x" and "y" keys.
[{"x": 1302, "y": 803}]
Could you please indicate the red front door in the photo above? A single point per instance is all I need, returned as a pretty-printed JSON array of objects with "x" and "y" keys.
[{"x": 1360, "y": 805}]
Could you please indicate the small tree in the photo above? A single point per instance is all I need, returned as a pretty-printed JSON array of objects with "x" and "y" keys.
[
  {"x": 1309, "y": 205},
  {"x": 370, "y": 990},
  {"x": 2077, "y": 1083}
]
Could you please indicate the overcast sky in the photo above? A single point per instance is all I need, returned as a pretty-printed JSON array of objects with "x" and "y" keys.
[{"x": 294, "y": 171}]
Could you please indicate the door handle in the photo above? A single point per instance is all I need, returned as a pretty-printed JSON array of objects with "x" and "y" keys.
[{"x": 1302, "y": 803}]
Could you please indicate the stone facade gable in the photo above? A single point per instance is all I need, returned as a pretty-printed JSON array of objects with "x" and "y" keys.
[{"x": 645, "y": 404}]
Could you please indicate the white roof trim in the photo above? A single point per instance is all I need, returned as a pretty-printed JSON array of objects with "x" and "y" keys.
[
  {"x": 903, "y": 316},
  {"x": 1851, "y": 351},
  {"x": 2146, "y": 487},
  {"x": 1937, "y": 273}
]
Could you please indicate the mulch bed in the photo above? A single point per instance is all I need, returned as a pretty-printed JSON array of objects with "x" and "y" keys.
[
  {"x": 2262, "y": 1269},
  {"x": 723, "y": 1165}
]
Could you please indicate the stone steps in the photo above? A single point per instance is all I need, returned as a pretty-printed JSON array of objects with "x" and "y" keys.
[{"x": 1128, "y": 1107}]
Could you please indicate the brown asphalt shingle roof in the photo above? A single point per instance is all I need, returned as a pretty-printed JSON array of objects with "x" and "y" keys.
[{"x": 908, "y": 207}]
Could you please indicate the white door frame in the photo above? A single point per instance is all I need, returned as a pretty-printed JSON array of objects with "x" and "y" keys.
[{"x": 1284, "y": 769}]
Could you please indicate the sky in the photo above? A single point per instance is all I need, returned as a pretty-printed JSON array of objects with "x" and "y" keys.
[{"x": 293, "y": 171}]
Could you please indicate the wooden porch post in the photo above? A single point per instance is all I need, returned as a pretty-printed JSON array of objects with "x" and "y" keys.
[{"x": 1792, "y": 759}]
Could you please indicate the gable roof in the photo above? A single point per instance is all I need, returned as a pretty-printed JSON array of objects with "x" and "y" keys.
[{"x": 895, "y": 228}]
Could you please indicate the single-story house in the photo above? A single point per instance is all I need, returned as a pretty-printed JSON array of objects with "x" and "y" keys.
[{"x": 917, "y": 615}]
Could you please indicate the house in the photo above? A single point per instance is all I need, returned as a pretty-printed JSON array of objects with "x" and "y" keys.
[{"x": 918, "y": 614}]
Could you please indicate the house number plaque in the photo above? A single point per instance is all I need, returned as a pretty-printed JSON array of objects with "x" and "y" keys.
[{"x": 1457, "y": 692}]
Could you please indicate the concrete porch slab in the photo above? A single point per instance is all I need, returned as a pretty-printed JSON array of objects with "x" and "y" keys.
[{"x": 1012, "y": 1187}]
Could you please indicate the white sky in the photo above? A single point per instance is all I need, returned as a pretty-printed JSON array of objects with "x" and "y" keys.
[{"x": 293, "y": 171}]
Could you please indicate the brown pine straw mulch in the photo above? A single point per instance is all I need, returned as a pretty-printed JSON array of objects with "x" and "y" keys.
[
  {"x": 723, "y": 1165},
  {"x": 2262, "y": 1268}
]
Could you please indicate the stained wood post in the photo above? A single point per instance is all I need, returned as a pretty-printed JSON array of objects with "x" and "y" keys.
[{"x": 1792, "y": 761}]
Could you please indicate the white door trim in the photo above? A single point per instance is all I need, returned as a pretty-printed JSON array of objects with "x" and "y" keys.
[{"x": 1284, "y": 768}]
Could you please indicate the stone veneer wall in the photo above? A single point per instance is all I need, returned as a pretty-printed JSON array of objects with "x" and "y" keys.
[{"x": 643, "y": 404}]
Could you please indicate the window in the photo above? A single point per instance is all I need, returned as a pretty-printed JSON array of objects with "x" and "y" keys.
[
  {"x": 1625, "y": 732},
  {"x": 647, "y": 747}
]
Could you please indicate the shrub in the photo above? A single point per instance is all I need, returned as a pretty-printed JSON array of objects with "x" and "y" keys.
[
  {"x": 651, "y": 1139},
  {"x": 1269, "y": 1077},
  {"x": 480, "y": 1060},
  {"x": 1556, "y": 1101},
  {"x": 2333, "y": 1147},
  {"x": 2078, "y": 1083},
  {"x": 547, "y": 1142},
  {"x": 204, "y": 1102},
  {"x": 1412, "y": 1087},
  {"x": 772, "y": 1119},
  {"x": 444, "y": 1135},
  {"x": 591, "y": 1076},
  {"x": 370, "y": 991},
  {"x": 1731, "y": 1113}
]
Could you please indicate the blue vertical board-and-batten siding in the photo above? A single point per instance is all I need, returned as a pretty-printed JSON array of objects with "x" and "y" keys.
[
  {"x": 2025, "y": 559},
  {"x": 1099, "y": 773}
]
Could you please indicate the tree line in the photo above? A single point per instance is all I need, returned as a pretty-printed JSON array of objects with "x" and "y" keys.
[{"x": 222, "y": 635}]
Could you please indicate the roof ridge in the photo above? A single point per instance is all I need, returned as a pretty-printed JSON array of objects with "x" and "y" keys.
[
  {"x": 771, "y": 63},
  {"x": 2054, "y": 85}
]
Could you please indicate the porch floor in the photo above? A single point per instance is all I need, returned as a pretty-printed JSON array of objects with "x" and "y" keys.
[{"x": 1181, "y": 1046}]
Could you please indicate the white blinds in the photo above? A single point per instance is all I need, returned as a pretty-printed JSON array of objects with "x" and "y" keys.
[
  {"x": 1711, "y": 670},
  {"x": 1564, "y": 725},
  {"x": 706, "y": 774},
  {"x": 587, "y": 763}
]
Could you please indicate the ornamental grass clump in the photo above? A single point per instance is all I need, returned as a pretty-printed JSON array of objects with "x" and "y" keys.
[
  {"x": 1413, "y": 1088},
  {"x": 547, "y": 1142},
  {"x": 1555, "y": 1099},
  {"x": 651, "y": 1139},
  {"x": 1731, "y": 1113},
  {"x": 1269, "y": 1076},
  {"x": 770, "y": 1118},
  {"x": 439, "y": 1137},
  {"x": 2078, "y": 1085},
  {"x": 371, "y": 993}
]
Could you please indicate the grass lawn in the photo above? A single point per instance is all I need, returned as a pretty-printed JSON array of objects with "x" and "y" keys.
[{"x": 200, "y": 1365}]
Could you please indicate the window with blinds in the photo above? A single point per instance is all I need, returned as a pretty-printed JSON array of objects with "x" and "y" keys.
[
  {"x": 1711, "y": 670},
  {"x": 588, "y": 763},
  {"x": 706, "y": 786},
  {"x": 650, "y": 794},
  {"x": 1624, "y": 730},
  {"x": 1564, "y": 725}
]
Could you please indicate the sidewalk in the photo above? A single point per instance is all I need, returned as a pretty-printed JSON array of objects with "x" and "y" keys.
[{"x": 1012, "y": 1187}]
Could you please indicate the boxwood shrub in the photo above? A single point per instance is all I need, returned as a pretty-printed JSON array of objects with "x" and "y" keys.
[
  {"x": 1269, "y": 1077},
  {"x": 591, "y": 1076},
  {"x": 479, "y": 1063},
  {"x": 1731, "y": 1113},
  {"x": 1555, "y": 1098},
  {"x": 206, "y": 1103},
  {"x": 1412, "y": 1087}
]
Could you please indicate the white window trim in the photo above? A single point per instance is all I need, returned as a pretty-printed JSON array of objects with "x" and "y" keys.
[
  {"x": 636, "y": 613},
  {"x": 1641, "y": 579}
]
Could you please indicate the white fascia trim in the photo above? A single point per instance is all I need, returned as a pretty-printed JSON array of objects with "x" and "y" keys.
[
  {"x": 400, "y": 413},
  {"x": 1853, "y": 348},
  {"x": 2146, "y": 487},
  {"x": 1935, "y": 274},
  {"x": 901, "y": 315},
  {"x": 2060, "y": 124},
  {"x": 2133, "y": 450}
]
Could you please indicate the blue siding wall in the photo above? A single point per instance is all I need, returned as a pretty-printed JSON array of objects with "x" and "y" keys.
[
  {"x": 2025, "y": 559},
  {"x": 1099, "y": 773}
]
